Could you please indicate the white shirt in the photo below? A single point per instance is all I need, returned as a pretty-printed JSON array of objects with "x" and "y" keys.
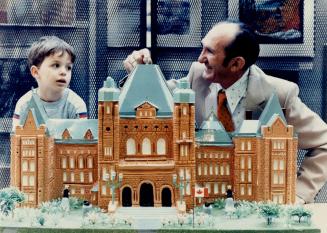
[{"x": 235, "y": 95}]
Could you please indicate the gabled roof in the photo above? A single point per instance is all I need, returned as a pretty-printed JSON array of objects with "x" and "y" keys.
[
  {"x": 213, "y": 133},
  {"x": 145, "y": 102},
  {"x": 146, "y": 83},
  {"x": 76, "y": 128},
  {"x": 248, "y": 128},
  {"x": 39, "y": 114},
  {"x": 272, "y": 107},
  {"x": 271, "y": 111}
]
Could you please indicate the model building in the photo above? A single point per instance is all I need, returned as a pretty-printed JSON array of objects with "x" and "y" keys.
[{"x": 144, "y": 141}]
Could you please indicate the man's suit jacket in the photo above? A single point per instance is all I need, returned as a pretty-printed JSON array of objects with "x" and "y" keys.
[{"x": 310, "y": 128}]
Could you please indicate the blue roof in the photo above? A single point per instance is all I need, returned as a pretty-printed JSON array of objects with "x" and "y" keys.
[
  {"x": 252, "y": 128},
  {"x": 76, "y": 127},
  {"x": 272, "y": 107},
  {"x": 213, "y": 133},
  {"x": 248, "y": 128},
  {"x": 183, "y": 93},
  {"x": 109, "y": 91},
  {"x": 40, "y": 116},
  {"x": 146, "y": 83}
]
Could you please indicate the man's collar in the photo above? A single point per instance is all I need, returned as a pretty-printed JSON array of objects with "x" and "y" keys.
[{"x": 235, "y": 92}]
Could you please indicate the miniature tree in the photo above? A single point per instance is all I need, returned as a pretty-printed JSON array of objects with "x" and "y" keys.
[
  {"x": 269, "y": 211},
  {"x": 300, "y": 212},
  {"x": 9, "y": 197}
]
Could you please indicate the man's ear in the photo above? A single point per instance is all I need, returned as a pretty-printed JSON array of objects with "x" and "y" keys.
[
  {"x": 34, "y": 72},
  {"x": 237, "y": 64}
]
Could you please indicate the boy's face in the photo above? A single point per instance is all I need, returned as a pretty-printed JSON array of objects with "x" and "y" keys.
[{"x": 53, "y": 75}]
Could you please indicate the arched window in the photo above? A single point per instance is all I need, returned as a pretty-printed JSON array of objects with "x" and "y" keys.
[
  {"x": 89, "y": 162},
  {"x": 80, "y": 162},
  {"x": 161, "y": 146},
  {"x": 146, "y": 146},
  {"x": 130, "y": 146}
]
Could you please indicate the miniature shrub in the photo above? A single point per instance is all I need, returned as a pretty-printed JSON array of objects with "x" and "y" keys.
[{"x": 9, "y": 197}]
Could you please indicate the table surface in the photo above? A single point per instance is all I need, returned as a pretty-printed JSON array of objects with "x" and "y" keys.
[{"x": 319, "y": 217}]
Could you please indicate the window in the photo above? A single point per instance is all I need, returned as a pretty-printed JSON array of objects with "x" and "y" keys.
[
  {"x": 199, "y": 169},
  {"x": 215, "y": 188},
  {"x": 80, "y": 162},
  {"x": 223, "y": 188},
  {"x": 28, "y": 180},
  {"x": 25, "y": 180},
  {"x": 210, "y": 169},
  {"x": 242, "y": 145},
  {"x": 82, "y": 191},
  {"x": 161, "y": 146},
  {"x": 81, "y": 176},
  {"x": 108, "y": 151},
  {"x": 90, "y": 177},
  {"x": 208, "y": 186},
  {"x": 32, "y": 180},
  {"x": 32, "y": 166},
  {"x": 130, "y": 146},
  {"x": 64, "y": 176},
  {"x": 242, "y": 176},
  {"x": 217, "y": 169},
  {"x": 72, "y": 177},
  {"x": 108, "y": 109},
  {"x": 205, "y": 169},
  {"x": 64, "y": 162},
  {"x": 184, "y": 111},
  {"x": 249, "y": 190},
  {"x": 104, "y": 173},
  {"x": 146, "y": 146},
  {"x": 249, "y": 145},
  {"x": 89, "y": 162},
  {"x": 25, "y": 166},
  {"x": 242, "y": 189},
  {"x": 71, "y": 162}
]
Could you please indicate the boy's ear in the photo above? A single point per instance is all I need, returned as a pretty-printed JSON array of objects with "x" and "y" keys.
[{"x": 34, "y": 71}]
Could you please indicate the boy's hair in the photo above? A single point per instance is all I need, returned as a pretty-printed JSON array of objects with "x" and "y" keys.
[{"x": 46, "y": 46}]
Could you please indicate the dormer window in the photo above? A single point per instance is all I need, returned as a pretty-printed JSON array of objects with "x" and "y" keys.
[
  {"x": 146, "y": 110},
  {"x": 66, "y": 135},
  {"x": 88, "y": 135}
]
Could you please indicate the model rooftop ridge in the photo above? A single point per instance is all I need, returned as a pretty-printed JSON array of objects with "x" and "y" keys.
[{"x": 146, "y": 82}]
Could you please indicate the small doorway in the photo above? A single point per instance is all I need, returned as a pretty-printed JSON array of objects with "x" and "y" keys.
[
  {"x": 146, "y": 195},
  {"x": 127, "y": 197},
  {"x": 166, "y": 197}
]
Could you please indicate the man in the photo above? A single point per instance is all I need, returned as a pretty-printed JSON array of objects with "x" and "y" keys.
[{"x": 226, "y": 64}]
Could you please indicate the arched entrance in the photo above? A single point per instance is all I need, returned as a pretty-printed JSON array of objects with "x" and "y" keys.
[
  {"x": 146, "y": 195},
  {"x": 127, "y": 197},
  {"x": 166, "y": 197}
]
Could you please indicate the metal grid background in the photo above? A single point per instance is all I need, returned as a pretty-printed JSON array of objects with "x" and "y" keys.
[{"x": 104, "y": 33}]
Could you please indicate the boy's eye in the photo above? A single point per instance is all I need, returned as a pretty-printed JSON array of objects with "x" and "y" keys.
[
  {"x": 56, "y": 65},
  {"x": 69, "y": 67}
]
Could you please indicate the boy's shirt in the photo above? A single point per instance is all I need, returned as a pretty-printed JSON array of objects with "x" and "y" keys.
[{"x": 69, "y": 106}]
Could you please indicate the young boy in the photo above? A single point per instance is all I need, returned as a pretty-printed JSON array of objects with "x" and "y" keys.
[{"x": 51, "y": 60}]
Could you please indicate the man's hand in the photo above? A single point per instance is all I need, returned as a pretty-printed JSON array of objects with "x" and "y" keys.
[{"x": 142, "y": 56}]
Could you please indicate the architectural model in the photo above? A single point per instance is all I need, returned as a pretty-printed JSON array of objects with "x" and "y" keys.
[{"x": 144, "y": 150}]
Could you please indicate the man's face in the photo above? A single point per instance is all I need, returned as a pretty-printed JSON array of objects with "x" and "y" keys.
[
  {"x": 213, "y": 53},
  {"x": 54, "y": 74}
]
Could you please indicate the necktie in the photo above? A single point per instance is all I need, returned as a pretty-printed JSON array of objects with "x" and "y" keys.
[{"x": 224, "y": 115}]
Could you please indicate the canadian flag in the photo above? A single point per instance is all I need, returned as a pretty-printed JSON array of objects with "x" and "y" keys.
[{"x": 200, "y": 192}]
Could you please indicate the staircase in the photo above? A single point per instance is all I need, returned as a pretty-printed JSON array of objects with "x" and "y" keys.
[{"x": 147, "y": 217}]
